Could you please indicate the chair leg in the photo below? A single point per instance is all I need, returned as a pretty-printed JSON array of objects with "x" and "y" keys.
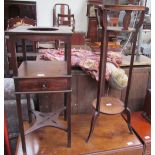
[
  {"x": 128, "y": 114},
  {"x": 93, "y": 122},
  {"x": 68, "y": 114},
  {"x": 29, "y": 107},
  {"x": 65, "y": 103}
]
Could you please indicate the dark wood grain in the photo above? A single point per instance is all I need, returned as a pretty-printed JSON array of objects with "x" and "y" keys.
[
  {"x": 42, "y": 85},
  {"x": 112, "y": 140}
]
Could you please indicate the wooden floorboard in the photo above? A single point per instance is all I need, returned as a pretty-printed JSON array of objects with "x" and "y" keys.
[{"x": 111, "y": 136}]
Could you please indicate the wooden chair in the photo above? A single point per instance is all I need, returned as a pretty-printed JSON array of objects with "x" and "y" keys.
[
  {"x": 60, "y": 8},
  {"x": 68, "y": 21},
  {"x": 62, "y": 17},
  {"x": 106, "y": 104}
]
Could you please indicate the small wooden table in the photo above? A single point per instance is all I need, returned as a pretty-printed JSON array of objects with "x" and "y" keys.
[{"x": 42, "y": 77}]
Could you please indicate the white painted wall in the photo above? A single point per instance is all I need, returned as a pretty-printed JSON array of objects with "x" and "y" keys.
[{"x": 78, "y": 8}]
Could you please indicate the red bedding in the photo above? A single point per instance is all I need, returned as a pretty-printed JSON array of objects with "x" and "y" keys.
[{"x": 87, "y": 60}]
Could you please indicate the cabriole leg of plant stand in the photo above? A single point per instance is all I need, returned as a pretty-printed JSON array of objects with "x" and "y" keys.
[
  {"x": 93, "y": 122},
  {"x": 127, "y": 112}
]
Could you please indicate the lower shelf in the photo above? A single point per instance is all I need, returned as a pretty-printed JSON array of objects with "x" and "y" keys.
[
  {"x": 46, "y": 119},
  {"x": 110, "y": 105},
  {"x": 111, "y": 137}
]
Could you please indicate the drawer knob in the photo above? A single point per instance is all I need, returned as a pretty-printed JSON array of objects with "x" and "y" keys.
[{"x": 44, "y": 86}]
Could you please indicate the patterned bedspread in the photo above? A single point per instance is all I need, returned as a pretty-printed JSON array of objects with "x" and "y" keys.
[{"x": 86, "y": 59}]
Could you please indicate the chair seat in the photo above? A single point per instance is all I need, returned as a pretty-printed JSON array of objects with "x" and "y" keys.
[
  {"x": 110, "y": 105},
  {"x": 66, "y": 26}
]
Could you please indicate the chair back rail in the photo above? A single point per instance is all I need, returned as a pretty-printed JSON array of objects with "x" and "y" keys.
[{"x": 60, "y": 8}]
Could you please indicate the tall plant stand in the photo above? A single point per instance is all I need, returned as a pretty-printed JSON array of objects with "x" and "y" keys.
[{"x": 110, "y": 105}]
